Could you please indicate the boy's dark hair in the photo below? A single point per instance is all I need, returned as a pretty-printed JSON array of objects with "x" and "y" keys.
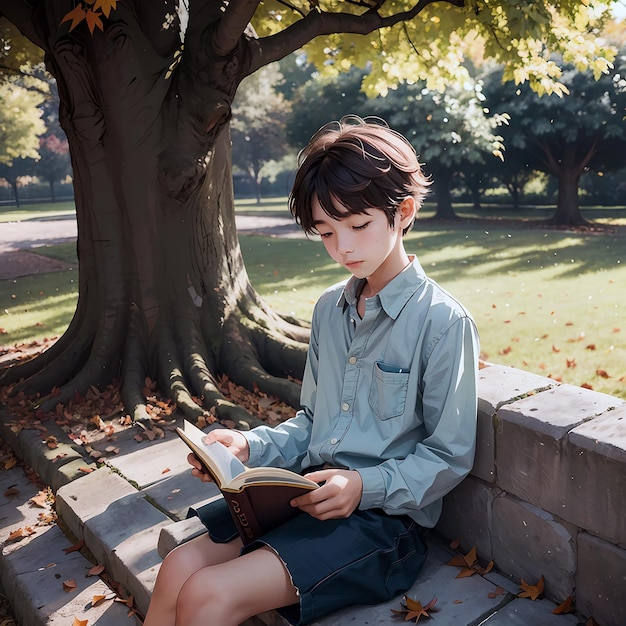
[{"x": 354, "y": 165}]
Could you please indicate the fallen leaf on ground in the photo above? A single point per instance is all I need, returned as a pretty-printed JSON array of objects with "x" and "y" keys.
[
  {"x": 75, "y": 548},
  {"x": 413, "y": 609},
  {"x": 40, "y": 500},
  {"x": 531, "y": 591},
  {"x": 498, "y": 591},
  {"x": 69, "y": 585},
  {"x": 565, "y": 607},
  {"x": 469, "y": 564},
  {"x": 96, "y": 570}
]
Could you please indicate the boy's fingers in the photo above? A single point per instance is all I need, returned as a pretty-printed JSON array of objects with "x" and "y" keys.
[{"x": 321, "y": 475}]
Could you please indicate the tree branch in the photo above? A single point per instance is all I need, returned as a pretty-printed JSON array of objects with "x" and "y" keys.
[
  {"x": 236, "y": 18},
  {"x": 318, "y": 23},
  {"x": 20, "y": 13}
]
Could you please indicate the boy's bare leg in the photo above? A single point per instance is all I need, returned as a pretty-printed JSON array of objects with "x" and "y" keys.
[
  {"x": 178, "y": 566},
  {"x": 228, "y": 593}
]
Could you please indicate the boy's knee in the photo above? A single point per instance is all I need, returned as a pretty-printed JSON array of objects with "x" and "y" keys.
[{"x": 201, "y": 592}]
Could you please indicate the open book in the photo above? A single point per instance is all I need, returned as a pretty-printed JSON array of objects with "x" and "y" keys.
[{"x": 258, "y": 497}]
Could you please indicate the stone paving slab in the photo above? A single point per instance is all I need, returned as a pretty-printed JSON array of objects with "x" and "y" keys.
[
  {"x": 149, "y": 462},
  {"x": 522, "y": 612},
  {"x": 176, "y": 493},
  {"x": 39, "y": 571},
  {"x": 32, "y": 570},
  {"x": 120, "y": 527}
]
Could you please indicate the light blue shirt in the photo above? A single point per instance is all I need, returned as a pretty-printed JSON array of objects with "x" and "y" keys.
[{"x": 391, "y": 395}]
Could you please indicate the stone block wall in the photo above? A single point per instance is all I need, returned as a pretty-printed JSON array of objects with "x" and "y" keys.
[{"x": 547, "y": 495}]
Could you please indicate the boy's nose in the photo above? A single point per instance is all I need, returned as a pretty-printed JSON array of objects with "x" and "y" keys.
[{"x": 345, "y": 244}]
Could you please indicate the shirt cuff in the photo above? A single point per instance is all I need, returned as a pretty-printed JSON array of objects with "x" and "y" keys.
[
  {"x": 373, "y": 495},
  {"x": 255, "y": 448}
]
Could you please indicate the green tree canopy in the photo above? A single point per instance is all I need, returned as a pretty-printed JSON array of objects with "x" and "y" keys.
[{"x": 565, "y": 136}]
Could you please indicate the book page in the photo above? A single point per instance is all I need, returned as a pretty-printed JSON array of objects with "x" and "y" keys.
[
  {"x": 270, "y": 476},
  {"x": 221, "y": 464}
]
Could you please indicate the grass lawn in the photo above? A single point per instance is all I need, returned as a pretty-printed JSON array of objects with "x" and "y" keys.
[
  {"x": 36, "y": 211},
  {"x": 547, "y": 301}
]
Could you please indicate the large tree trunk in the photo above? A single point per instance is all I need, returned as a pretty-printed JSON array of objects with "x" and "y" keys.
[{"x": 163, "y": 291}]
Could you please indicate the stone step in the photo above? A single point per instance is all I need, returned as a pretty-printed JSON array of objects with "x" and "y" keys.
[{"x": 34, "y": 569}]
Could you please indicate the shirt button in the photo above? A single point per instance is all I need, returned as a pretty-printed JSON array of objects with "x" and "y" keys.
[
  {"x": 345, "y": 406},
  {"x": 352, "y": 360},
  {"x": 334, "y": 440}
]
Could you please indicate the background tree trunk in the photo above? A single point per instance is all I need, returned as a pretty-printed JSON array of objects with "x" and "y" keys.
[
  {"x": 442, "y": 182},
  {"x": 568, "y": 170}
]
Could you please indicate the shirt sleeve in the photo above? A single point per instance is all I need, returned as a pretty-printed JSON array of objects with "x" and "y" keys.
[
  {"x": 286, "y": 445},
  {"x": 416, "y": 484}
]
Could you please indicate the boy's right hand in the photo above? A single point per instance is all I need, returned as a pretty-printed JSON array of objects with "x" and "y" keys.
[{"x": 231, "y": 439}]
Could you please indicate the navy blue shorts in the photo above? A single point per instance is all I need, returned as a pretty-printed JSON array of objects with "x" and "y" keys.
[{"x": 367, "y": 558}]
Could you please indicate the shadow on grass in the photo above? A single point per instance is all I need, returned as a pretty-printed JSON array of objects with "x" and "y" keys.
[{"x": 493, "y": 248}]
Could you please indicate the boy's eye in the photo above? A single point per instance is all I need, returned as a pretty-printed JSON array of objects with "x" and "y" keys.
[
  {"x": 325, "y": 235},
  {"x": 361, "y": 226}
]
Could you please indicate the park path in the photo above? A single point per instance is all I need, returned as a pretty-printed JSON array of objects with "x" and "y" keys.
[
  {"x": 19, "y": 240},
  {"x": 40, "y": 232}
]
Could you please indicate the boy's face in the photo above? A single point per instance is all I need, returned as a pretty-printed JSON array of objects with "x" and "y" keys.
[{"x": 365, "y": 244}]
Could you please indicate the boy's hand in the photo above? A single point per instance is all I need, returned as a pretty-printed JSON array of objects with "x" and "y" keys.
[
  {"x": 337, "y": 498},
  {"x": 232, "y": 439}
]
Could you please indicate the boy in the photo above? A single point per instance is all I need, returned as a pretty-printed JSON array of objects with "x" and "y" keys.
[{"x": 388, "y": 417}]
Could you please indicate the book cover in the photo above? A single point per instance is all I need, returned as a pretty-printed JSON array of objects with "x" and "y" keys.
[{"x": 259, "y": 497}]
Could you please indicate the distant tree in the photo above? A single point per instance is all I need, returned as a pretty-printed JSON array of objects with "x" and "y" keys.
[
  {"x": 565, "y": 136},
  {"x": 606, "y": 188},
  {"x": 20, "y": 121},
  {"x": 450, "y": 131},
  {"x": 21, "y": 93},
  {"x": 295, "y": 71},
  {"x": 478, "y": 177},
  {"x": 54, "y": 163},
  {"x": 333, "y": 97},
  {"x": 258, "y": 127},
  {"x": 14, "y": 172}
]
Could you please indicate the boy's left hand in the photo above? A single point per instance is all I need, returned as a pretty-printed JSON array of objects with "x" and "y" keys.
[{"x": 337, "y": 498}]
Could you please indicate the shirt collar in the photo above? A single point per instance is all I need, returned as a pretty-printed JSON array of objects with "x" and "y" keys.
[{"x": 394, "y": 295}]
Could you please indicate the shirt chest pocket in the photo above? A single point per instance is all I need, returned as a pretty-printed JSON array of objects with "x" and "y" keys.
[{"x": 388, "y": 390}]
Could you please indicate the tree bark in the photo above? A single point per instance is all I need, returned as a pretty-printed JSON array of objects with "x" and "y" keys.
[
  {"x": 568, "y": 170},
  {"x": 163, "y": 290},
  {"x": 442, "y": 183}
]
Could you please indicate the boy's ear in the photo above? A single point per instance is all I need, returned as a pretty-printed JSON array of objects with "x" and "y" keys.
[{"x": 408, "y": 211}]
